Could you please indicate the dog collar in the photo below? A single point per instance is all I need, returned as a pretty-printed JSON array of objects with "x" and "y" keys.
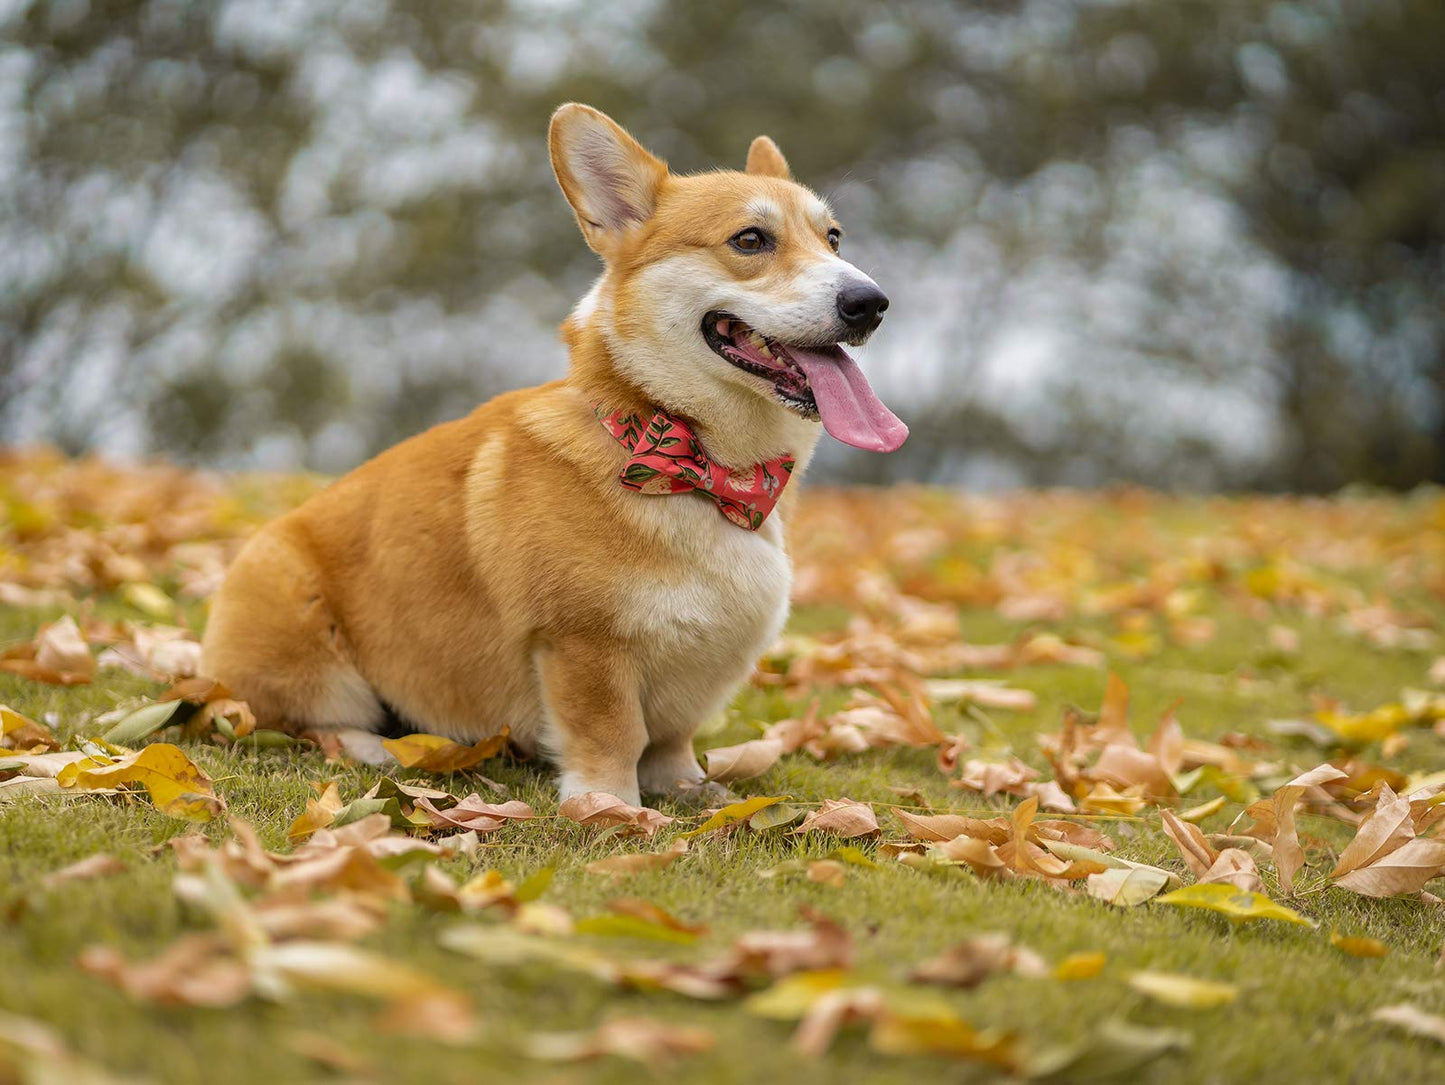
[{"x": 667, "y": 458}]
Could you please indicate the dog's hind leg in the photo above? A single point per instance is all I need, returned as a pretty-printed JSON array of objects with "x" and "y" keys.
[{"x": 273, "y": 640}]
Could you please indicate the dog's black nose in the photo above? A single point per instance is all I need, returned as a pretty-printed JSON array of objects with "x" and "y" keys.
[{"x": 861, "y": 305}]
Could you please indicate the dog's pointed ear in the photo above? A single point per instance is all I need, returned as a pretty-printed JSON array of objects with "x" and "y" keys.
[
  {"x": 765, "y": 160},
  {"x": 609, "y": 179}
]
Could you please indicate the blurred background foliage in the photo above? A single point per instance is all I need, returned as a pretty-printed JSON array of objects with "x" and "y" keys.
[{"x": 1186, "y": 243}]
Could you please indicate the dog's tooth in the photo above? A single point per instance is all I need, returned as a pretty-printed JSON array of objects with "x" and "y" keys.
[
  {"x": 756, "y": 341},
  {"x": 722, "y": 327}
]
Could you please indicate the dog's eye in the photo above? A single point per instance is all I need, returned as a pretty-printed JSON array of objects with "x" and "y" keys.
[
  {"x": 835, "y": 238},
  {"x": 749, "y": 240}
]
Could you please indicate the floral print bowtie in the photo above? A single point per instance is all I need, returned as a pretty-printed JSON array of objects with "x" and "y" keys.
[{"x": 667, "y": 458}]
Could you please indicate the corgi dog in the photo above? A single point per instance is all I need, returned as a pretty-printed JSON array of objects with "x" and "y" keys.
[{"x": 594, "y": 564}]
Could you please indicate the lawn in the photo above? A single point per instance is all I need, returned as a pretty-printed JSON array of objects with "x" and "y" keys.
[{"x": 1237, "y": 611}]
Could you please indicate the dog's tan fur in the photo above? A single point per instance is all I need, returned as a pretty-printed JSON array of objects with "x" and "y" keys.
[{"x": 492, "y": 572}]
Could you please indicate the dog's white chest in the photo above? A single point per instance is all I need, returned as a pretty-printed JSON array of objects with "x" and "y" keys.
[{"x": 697, "y": 631}]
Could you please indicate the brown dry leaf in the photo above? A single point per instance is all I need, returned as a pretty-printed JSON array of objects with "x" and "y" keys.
[
  {"x": 472, "y": 812},
  {"x": 433, "y": 753},
  {"x": 445, "y": 1016},
  {"x": 1011, "y": 777},
  {"x": 824, "y": 945},
  {"x": 1386, "y": 857},
  {"x": 1388, "y": 827},
  {"x": 1234, "y": 867},
  {"x": 623, "y": 866},
  {"x": 177, "y": 786},
  {"x": 1403, "y": 871},
  {"x": 599, "y": 809},
  {"x": 58, "y": 655},
  {"x": 319, "y": 813},
  {"x": 726, "y": 764},
  {"x": 941, "y": 827},
  {"x": 195, "y": 970},
  {"x": 1288, "y": 855},
  {"x": 972, "y": 961},
  {"x": 830, "y": 1012},
  {"x": 841, "y": 817},
  {"x": 1412, "y": 1019},
  {"x": 96, "y": 866},
  {"x": 344, "y": 918},
  {"x": 642, "y": 1039},
  {"x": 985, "y": 694},
  {"x": 158, "y": 652},
  {"x": 1196, "y": 851}
]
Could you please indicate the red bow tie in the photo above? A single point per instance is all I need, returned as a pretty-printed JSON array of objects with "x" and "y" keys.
[{"x": 667, "y": 458}]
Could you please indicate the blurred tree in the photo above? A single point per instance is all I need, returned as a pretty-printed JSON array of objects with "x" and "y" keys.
[{"x": 1188, "y": 244}]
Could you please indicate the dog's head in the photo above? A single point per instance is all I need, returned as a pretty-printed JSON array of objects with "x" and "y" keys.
[{"x": 722, "y": 288}]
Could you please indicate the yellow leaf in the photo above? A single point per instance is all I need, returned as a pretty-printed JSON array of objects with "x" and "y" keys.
[
  {"x": 433, "y": 753},
  {"x": 1196, "y": 814},
  {"x": 738, "y": 811},
  {"x": 1358, "y": 946},
  {"x": 1183, "y": 992},
  {"x": 177, "y": 787},
  {"x": 1080, "y": 966},
  {"x": 1240, "y": 906},
  {"x": 319, "y": 813}
]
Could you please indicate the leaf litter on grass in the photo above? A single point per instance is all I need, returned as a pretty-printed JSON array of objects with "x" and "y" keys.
[{"x": 906, "y": 679}]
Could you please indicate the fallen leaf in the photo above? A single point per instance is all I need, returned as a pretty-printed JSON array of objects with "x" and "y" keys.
[
  {"x": 645, "y": 909},
  {"x": 1412, "y": 1019},
  {"x": 433, "y": 753},
  {"x": 642, "y": 1039},
  {"x": 319, "y": 813},
  {"x": 1183, "y": 992},
  {"x": 841, "y": 817},
  {"x": 1238, "y": 905},
  {"x": 622, "y": 866},
  {"x": 970, "y": 962},
  {"x": 176, "y": 786},
  {"x": 1358, "y": 946},
  {"x": 599, "y": 809},
  {"x": 734, "y": 813},
  {"x": 1288, "y": 855},
  {"x": 19, "y": 732},
  {"x": 1127, "y": 887},
  {"x": 726, "y": 764},
  {"x": 1113, "y": 1051},
  {"x": 1404, "y": 870},
  {"x": 471, "y": 812},
  {"x": 96, "y": 866},
  {"x": 195, "y": 970},
  {"x": 1080, "y": 966}
]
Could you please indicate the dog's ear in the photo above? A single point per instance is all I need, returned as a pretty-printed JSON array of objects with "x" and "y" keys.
[
  {"x": 765, "y": 160},
  {"x": 606, "y": 175}
]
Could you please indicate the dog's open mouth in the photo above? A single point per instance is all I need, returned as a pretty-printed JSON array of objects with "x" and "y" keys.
[
  {"x": 816, "y": 381},
  {"x": 762, "y": 357}
]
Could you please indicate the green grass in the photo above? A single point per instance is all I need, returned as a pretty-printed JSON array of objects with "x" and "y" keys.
[{"x": 1302, "y": 1015}]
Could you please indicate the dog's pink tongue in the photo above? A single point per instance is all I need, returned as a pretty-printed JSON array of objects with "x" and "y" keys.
[{"x": 850, "y": 409}]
